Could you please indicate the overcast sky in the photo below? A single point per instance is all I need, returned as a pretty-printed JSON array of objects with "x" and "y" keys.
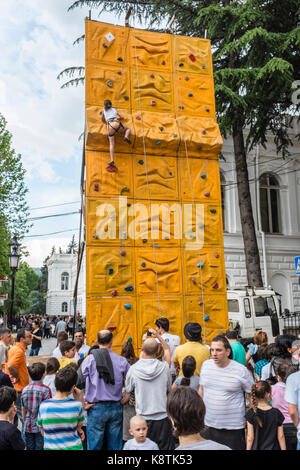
[{"x": 36, "y": 44}]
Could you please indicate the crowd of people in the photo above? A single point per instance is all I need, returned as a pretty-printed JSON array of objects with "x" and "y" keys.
[{"x": 169, "y": 396}]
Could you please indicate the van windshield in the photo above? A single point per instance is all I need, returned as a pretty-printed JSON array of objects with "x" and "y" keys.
[
  {"x": 264, "y": 306},
  {"x": 233, "y": 305}
]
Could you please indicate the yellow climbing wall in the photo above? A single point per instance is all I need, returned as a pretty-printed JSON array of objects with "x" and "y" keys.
[{"x": 154, "y": 238}]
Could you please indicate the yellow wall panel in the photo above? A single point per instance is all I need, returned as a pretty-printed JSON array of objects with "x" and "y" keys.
[
  {"x": 192, "y": 55},
  {"x": 199, "y": 179},
  {"x": 100, "y": 183},
  {"x": 195, "y": 94},
  {"x": 110, "y": 272},
  {"x": 111, "y": 313},
  {"x": 152, "y": 94},
  {"x": 117, "y": 48},
  {"x": 204, "y": 271},
  {"x": 150, "y": 50},
  {"x": 108, "y": 84},
  {"x": 199, "y": 133}
]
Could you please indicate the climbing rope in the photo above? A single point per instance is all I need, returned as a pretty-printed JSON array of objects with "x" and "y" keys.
[
  {"x": 146, "y": 165},
  {"x": 179, "y": 106}
]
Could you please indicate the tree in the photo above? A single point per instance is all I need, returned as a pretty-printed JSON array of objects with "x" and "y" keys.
[
  {"x": 72, "y": 246},
  {"x": 255, "y": 54}
]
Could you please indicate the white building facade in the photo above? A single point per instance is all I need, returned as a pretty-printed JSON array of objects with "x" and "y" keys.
[
  {"x": 62, "y": 272},
  {"x": 275, "y": 193}
]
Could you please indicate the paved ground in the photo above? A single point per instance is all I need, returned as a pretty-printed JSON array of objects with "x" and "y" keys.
[{"x": 47, "y": 347}]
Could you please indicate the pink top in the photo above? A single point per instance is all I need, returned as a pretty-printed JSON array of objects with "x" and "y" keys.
[{"x": 279, "y": 402}]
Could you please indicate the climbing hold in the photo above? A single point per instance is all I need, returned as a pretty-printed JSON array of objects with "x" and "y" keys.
[
  {"x": 203, "y": 67},
  {"x": 128, "y": 289},
  {"x": 170, "y": 173},
  {"x": 203, "y": 176},
  {"x": 187, "y": 78},
  {"x": 119, "y": 73},
  {"x": 111, "y": 169},
  {"x": 217, "y": 255},
  {"x": 153, "y": 103},
  {"x": 128, "y": 204},
  {"x": 200, "y": 265},
  {"x": 204, "y": 132},
  {"x": 181, "y": 107},
  {"x": 95, "y": 236},
  {"x": 104, "y": 45},
  {"x": 127, "y": 306},
  {"x": 216, "y": 286},
  {"x": 152, "y": 75},
  {"x": 96, "y": 187},
  {"x": 163, "y": 62},
  {"x": 190, "y": 95},
  {"x": 213, "y": 211},
  {"x": 167, "y": 238},
  {"x": 175, "y": 135},
  {"x": 192, "y": 235},
  {"x": 109, "y": 83},
  {"x": 158, "y": 142},
  {"x": 181, "y": 64},
  {"x": 122, "y": 253},
  {"x": 161, "y": 128},
  {"x": 193, "y": 280},
  {"x": 124, "y": 190},
  {"x": 129, "y": 340},
  {"x": 207, "y": 109},
  {"x": 114, "y": 293},
  {"x": 126, "y": 98},
  {"x": 141, "y": 162},
  {"x": 200, "y": 148},
  {"x": 143, "y": 265},
  {"x": 206, "y": 318},
  {"x": 110, "y": 271},
  {"x": 138, "y": 118},
  {"x": 200, "y": 303},
  {"x": 111, "y": 328},
  {"x": 192, "y": 57},
  {"x": 120, "y": 59},
  {"x": 145, "y": 240},
  {"x": 207, "y": 194},
  {"x": 100, "y": 113}
]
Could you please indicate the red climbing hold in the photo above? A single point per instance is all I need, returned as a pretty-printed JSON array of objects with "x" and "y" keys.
[
  {"x": 192, "y": 57},
  {"x": 207, "y": 194},
  {"x": 96, "y": 187},
  {"x": 153, "y": 103},
  {"x": 111, "y": 169},
  {"x": 217, "y": 255},
  {"x": 138, "y": 118},
  {"x": 216, "y": 286},
  {"x": 114, "y": 293},
  {"x": 152, "y": 75},
  {"x": 193, "y": 280}
]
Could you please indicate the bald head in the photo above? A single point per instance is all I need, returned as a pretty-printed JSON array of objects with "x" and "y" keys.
[
  {"x": 104, "y": 337},
  {"x": 150, "y": 347},
  {"x": 136, "y": 420}
]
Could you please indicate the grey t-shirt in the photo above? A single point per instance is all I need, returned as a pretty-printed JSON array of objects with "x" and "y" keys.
[
  {"x": 132, "y": 444},
  {"x": 204, "y": 445},
  {"x": 194, "y": 382}
]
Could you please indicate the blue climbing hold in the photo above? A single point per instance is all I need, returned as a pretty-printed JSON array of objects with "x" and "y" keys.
[
  {"x": 158, "y": 142},
  {"x": 127, "y": 306},
  {"x": 206, "y": 318},
  {"x": 145, "y": 240},
  {"x": 200, "y": 265},
  {"x": 110, "y": 271},
  {"x": 143, "y": 265},
  {"x": 129, "y": 289},
  {"x": 203, "y": 176},
  {"x": 190, "y": 95}
]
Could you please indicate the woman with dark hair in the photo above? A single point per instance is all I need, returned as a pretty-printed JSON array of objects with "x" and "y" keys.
[
  {"x": 128, "y": 401},
  {"x": 37, "y": 335},
  {"x": 188, "y": 379},
  {"x": 186, "y": 411},
  {"x": 283, "y": 353}
]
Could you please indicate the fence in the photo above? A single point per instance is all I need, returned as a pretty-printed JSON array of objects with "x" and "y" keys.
[{"x": 291, "y": 324}]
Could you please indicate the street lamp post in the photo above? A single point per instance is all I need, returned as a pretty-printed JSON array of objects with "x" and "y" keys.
[{"x": 14, "y": 257}]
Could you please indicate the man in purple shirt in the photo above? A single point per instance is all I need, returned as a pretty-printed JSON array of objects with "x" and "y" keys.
[{"x": 103, "y": 372}]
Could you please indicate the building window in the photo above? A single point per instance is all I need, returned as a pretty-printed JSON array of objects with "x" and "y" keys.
[
  {"x": 223, "y": 199},
  {"x": 65, "y": 281},
  {"x": 269, "y": 203},
  {"x": 64, "y": 307}
]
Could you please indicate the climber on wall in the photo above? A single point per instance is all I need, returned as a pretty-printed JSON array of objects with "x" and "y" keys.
[{"x": 112, "y": 118}]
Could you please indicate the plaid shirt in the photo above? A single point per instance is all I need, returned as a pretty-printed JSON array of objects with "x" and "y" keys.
[{"x": 32, "y": 397}]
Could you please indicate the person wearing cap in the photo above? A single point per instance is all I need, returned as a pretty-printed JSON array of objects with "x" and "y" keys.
[{"x": 192, "y": 347}]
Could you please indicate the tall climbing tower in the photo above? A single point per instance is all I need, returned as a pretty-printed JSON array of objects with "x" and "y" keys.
[{"x": 154, "y": 238}]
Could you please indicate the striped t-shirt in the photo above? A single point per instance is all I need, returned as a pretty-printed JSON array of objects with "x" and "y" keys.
[
  {"x": 223, "y": 394},
  {"x": 59, "y": 420}
]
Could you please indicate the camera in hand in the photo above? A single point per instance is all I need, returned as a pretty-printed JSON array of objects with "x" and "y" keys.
[{"x": 149, "y": 333}]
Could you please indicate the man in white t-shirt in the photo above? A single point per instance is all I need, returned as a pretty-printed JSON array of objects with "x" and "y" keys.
[
  {"x": 223, "y": 384},
  {"x": 162, "y": 327},
  {"x": 82, "y": 349}
]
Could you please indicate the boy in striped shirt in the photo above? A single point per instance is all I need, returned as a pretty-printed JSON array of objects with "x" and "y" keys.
[{"x": 61, "y": 418}]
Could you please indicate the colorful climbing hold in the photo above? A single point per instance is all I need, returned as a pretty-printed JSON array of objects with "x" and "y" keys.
[
  {"x": 181, "y": 64},
  {"x": 127, "y": 306},
  {"x": 153, "y": 103},
  {"x": 123, "y": 253},
  {"x": 217, "y": 255},
  {"x": 163, "y": 62},
  {"x": 110, "y": 271},
  {"x": 204, "y": 132},
  {"x": 192, "y": 57},
  {"x": 144, "y": 240},
  {"x": 200, "y": 265},
  {"x": 203, "y": 66},
  {"x": 187, "y": 78},
  {"x": 207, "y": 110},
  {"x": 206, "y": 318},
  {"x": 170, "y": 173},
  {"x": 114, "y": 293},
  {"x": 152, "y": 75},
  {"x": 213, "y": 211},
  {"x": 143, "y": 265},
  {"x": 96, "y": 187},
  {"x": 125, "y": 189},
  {"x": 207, "y": 194},
  {"x": 200, "y": 302},
  {"x": 190, "y": 95},
  {"x": 96, "y": 236},
  {"x": 181, "y": 107},
  {"x": 175, "y": 135},
  {"x": 161, "y": 128},
  {"x": 203, "y": 176},
  {"x": 193, "y": 280},
  {"x": 119, "y": 73},
  {"x": 111, "y": 169},
  {"x": 158, "y": 142},
  {"x": 109, "y": 83},
  {"x": 120, "y": 59},
  {"x": 126, "y": 98},
  {"x": 104, "y": 45},
  {"x": 141, "y": 162},
  {"x": 138, "y": 118},
  {"x": 128, "y": 289},
  {"x": 216, "y": 286}
]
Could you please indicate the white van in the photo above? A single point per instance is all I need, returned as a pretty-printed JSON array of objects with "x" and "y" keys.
[{"x": 254, "y": 309}]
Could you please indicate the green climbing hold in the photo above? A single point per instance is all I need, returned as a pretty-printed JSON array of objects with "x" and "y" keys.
[
  {"x": 124, "y": 190},
  {"x": 213, "y": 211}
]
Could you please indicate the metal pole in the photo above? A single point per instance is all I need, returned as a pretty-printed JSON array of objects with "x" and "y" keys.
[{"x": 10, "y": 320}]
